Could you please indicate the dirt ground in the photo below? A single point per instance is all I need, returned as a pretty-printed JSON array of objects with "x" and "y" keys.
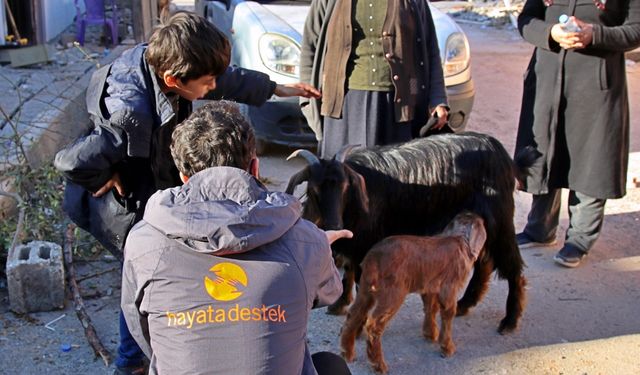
[{"x": 578, "y": 321}]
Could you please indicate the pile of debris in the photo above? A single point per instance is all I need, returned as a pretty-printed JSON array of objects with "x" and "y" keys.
[{"x": 490, "y": 13}]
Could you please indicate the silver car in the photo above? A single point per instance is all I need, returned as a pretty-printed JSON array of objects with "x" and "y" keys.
[{"x": 266, "y": 37}]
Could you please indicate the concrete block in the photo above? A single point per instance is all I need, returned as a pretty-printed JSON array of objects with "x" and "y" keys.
[
  {"x": 35, "y": 277},
  {"x": 24, "y": 56}
]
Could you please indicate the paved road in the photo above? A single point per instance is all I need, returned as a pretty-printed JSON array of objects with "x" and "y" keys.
[{"x": 577, "y": 321}]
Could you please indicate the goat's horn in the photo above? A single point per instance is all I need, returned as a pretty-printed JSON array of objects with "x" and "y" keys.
[
  {"x": 342, "y": 154},
  {"x": 309, "y": 156},
  {"x": 315, "y": 166},
  {"x": 296, "y": 180}
]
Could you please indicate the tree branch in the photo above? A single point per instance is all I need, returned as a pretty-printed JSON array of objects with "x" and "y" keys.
[
  {"x": 89, "y": 331},
  {"x": 20, "y": 223}
]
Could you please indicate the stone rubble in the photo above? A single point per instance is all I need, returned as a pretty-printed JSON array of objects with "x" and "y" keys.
[{"x": 493, "y": 13}]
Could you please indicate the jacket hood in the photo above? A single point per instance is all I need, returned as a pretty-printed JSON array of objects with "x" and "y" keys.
[{"x": 222, "y": 210}]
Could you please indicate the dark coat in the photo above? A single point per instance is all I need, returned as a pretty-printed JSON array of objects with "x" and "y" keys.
[
  {"x": 133, "y": 122},
  {"x": 575, "y": 108}
]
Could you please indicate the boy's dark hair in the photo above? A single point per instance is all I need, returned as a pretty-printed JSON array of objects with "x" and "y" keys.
[
  {"x": 215, "y": 134},
  {"x": 189, "y": 47}
]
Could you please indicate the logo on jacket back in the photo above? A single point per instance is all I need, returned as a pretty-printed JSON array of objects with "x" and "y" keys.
[
  {"x": 229, "y": 283},
  {"x": 230, "y": 279}
]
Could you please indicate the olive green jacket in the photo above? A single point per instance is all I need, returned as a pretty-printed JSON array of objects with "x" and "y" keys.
[{"x": 411, "y": 48}]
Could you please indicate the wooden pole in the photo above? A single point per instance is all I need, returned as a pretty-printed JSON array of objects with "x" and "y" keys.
[
  {"x": 12, "y": 21},
  {"x": 81, "y": 311},
  {"x": 144, "y": 13}
]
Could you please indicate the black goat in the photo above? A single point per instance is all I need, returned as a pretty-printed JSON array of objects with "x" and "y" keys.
[{"x": 417, "y": 188}]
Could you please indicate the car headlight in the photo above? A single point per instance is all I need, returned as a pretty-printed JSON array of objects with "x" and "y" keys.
[
  {"x": 280, "y": 54},
  {"x": 456, "y": 54}
]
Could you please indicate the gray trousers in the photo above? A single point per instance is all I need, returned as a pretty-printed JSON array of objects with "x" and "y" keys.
[
  {"x": 586, "y": 215},
  {"x": 368, "y": 119}
]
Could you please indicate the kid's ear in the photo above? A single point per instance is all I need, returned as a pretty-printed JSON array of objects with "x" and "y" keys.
[
  {"x": 478, "y": 237},
  {"x": 254, "y": 167},
  {"x": 169, "y": 79}
]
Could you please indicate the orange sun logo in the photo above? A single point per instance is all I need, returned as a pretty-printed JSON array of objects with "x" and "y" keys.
[{"x": 228, "y": 284}]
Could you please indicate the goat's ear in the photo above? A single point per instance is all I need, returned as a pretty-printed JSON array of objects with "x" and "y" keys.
[
  {"x": 359, "y": 189},
  {"x": 477, "y": 238},
  {"x": 297, "y": 179}
]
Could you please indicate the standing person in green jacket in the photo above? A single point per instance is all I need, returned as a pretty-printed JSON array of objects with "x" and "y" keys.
[{"x": 377, "y": 63}]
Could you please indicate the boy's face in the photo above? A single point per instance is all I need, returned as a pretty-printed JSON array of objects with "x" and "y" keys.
[{"x": 192, "y": 89}]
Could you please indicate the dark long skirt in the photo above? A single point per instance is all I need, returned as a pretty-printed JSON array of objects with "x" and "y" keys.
[{"x": 368, "y": 119}]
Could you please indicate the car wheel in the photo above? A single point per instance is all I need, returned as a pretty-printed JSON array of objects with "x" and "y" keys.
[
  {"x": 244, "y": 110},
  {"x": 262, "y": 146}
]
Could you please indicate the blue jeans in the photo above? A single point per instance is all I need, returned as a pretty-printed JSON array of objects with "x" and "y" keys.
[{"x": 129, "y": 353}]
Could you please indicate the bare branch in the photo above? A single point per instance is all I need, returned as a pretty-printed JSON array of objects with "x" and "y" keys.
[
  {"x": 20, "y": 223},
  {"x": 85, "y": 319}
]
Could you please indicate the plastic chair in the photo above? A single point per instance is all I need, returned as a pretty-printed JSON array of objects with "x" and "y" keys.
[{"x": 96, "y": 15}]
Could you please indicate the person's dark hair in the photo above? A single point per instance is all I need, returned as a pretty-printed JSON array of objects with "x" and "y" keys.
[
  {"x": 215, "y": 134},
  {"x": 189, "y": 47}
]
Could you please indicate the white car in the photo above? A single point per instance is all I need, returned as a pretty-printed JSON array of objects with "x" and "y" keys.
[{"x": 266, "y": 37}]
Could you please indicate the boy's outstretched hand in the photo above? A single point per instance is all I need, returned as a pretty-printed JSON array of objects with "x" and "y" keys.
[
  {"x": 297, "y": 89},
  {"x": 333, "y": 235}
]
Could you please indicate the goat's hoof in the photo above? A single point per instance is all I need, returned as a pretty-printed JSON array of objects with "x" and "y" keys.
[
  {"x": 381, "y": 367},
  {"x": 462, "y": 309},
  {"x": 336, "y": 309},
  {"x": 349, "y": 355},
  {"x": 507, "y": 326},
  {"x": 430, "y": 336},
  {"x": 448, "y": 351}
]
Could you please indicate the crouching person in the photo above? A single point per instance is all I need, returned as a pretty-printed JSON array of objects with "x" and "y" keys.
[
  {"x": 221, "y": 274},
  {"x": 435, "y": 267}
]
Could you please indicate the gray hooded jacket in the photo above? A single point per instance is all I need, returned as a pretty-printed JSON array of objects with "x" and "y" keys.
[{"x": 220, "y": 277}]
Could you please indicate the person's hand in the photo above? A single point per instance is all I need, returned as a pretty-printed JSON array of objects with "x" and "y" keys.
[
  {"x": 297, "y": 89},
  {"x": 333, "y": 235},
  {"x": 573, "y": 40},
  {"x": 113, "y": 182},
  {"x": 443, "y": 116},
  {"x": 585, "y": 36},
  {"x": 564, "y": 38}
]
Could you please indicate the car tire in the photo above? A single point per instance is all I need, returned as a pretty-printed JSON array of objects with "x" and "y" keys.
[{"x": 262, "y": 146}]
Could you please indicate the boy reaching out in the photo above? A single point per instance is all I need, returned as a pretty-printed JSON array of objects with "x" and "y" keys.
[{"x": 135, "y": 104}]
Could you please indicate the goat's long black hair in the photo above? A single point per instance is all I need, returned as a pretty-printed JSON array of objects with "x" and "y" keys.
[{"x": 440, "y": 159}]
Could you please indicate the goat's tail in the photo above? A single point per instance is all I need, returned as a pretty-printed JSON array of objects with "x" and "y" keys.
[
  {"x": 523, "y": 161},
  {"x": 370, "y": 274}
]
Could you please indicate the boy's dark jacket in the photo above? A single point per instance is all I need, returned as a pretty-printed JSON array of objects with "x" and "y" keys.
[{"x": 133, "y": 122}]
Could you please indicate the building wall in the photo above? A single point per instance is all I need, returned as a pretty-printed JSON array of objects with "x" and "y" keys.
[
  {"x": 3, "y": 23},
  {"x": 57, "y": 15}
]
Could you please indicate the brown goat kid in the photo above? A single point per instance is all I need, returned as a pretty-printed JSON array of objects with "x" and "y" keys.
[{"x": 435, "y": 267}]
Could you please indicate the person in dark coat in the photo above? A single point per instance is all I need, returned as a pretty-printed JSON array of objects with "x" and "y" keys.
[
  {"x": 378, "y": 65},
  {"x": 134, "y": 104},
  {"x": 575, "y": 113}
]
